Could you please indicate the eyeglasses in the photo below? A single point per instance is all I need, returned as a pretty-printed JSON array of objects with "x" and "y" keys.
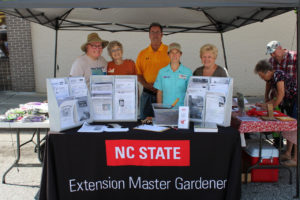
[
  {"x": 96, "y": 46},
  {"x": 155, "y": 32},
  {"x": 115, "y": 50}
]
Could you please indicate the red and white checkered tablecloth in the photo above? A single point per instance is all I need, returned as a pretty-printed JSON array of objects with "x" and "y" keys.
[{"x": 288, "y": 128}]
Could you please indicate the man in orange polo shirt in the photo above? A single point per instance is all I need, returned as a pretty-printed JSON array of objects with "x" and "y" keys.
[{"x": 148, "y": 63}]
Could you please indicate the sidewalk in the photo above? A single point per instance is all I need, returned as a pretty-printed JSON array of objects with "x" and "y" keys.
[{"x": 23, "y": 183}]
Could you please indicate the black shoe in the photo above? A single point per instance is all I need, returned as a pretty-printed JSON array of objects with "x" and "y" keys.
[{"x": 276, "y": 142}]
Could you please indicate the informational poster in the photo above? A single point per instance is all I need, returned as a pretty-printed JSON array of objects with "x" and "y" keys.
[
  {"x": 83, "y": 110},
  {"x": 68, "y": 102},
  {"x": 101, "y": 88},
  {"x": 60, "y": 87},
  {"x": 102, "y": 94},
  {"x": 102, "y": 107},
  {"x": 207, "y": 99},
  {"x": 124, "y": 99},
  {"x": 66, "y": 110},
  {"x": 114, "y": 98},
  {"x": 215, "y": 107},
  {"x": 78, "y": 87}
]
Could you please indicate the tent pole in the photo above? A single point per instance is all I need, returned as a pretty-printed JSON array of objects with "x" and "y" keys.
[
  {"x": 298, "y": 101},
  {"x": 55, "y": 47},
  {"x": 224, "y": 52}
]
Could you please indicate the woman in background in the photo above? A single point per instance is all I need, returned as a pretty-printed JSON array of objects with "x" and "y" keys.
[{"x": 286, "y": 96}]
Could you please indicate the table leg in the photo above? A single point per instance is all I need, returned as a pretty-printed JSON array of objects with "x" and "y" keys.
[
  {"x": 283, "y": 166},
  {"x": 17, "y": 159},
  {"x": 38, "y": 144}
]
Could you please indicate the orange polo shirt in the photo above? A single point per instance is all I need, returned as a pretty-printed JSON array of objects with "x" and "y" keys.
[{"x": 149, "y": 62}]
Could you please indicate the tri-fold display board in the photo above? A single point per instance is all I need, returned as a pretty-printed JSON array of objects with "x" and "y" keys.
[
  {"x": 114, "y": 98},
  {"x": 110, "y": 98},
  {"x": 210, "y": 99}
]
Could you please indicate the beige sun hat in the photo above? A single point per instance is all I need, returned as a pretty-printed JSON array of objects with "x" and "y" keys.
[
  {"x": 94, "y": 37},
  {"x": 174, "y": 45}
]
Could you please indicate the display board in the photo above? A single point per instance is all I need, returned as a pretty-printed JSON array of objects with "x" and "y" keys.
[
  {"x": 114, "y": 98},
  {"x": 69, "y": 103},
  {"x": 210, "y": 99}
]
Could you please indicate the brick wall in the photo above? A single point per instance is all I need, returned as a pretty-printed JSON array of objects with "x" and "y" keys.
[{"x": 20, "y": 54}]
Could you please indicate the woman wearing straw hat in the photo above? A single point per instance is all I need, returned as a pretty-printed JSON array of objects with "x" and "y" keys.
[
  {"x": 91, "y": 63},
  {"x": 171, "y": 81}
]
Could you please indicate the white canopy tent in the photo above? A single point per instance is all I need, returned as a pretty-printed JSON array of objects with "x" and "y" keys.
[{"x": 197, "y": 16}]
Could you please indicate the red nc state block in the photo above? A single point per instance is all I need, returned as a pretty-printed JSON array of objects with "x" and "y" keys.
[{"x": 148, "y": 152}]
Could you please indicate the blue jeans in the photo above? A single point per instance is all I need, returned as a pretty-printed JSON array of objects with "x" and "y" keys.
[
  {"x": 295, "y": 111},
  {"x": 146, "y": 109}
]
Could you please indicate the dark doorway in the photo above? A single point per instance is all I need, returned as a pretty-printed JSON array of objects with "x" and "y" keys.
[{"x": 5, "y": 77}]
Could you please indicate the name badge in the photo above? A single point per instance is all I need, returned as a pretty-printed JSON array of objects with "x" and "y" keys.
[
  {"x": 166, "y": 76},
  {"x": 182, "y": 76},
  {"x": 98, "y": 71}
]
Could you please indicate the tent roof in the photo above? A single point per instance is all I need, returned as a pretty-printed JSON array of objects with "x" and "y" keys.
[
  {"x": 136, "y": 15},
  {"x": 144, "y": 3},
  {"x": 174, "y": 19}
]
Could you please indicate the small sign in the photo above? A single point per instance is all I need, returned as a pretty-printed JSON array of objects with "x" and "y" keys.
[{"x": 183, "y": 117}]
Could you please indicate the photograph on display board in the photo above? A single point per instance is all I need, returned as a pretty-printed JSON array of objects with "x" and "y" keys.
[
  {"x": 83, "y": 110},
  {"x": 196, "y": 103}
]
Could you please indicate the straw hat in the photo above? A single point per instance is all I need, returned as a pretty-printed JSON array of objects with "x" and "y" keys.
[{"x": 94, "y": 37}]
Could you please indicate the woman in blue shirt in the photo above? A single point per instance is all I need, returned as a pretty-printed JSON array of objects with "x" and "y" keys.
[{"x": 172, "y": 80}]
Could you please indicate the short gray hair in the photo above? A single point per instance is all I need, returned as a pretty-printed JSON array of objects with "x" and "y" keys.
[
  {"x": 113, "y": 44},
  {"x": 263, "y": 66}
]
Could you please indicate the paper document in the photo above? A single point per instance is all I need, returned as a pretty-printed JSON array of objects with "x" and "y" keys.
[
  {"x": 83, "y": 110},
  {"x": 152, "y": 128},
  {"x": 87, "y": 128},
  {"x": 102, "y": 108},
  {"x": 200, "y": 83},
  {"x": 78, "y": 87},
  {"x": 124, "y": 101},
  {"x": 101, "y": 88},
  {"x": 205, "y": 127},
  {"x": 66, "y": 109},
  {"x": 247, "y": 118},
  {"x": 215, "y": 108}
]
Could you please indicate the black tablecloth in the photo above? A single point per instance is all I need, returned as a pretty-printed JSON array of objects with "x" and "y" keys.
[{"x": 75, "y": 167}]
